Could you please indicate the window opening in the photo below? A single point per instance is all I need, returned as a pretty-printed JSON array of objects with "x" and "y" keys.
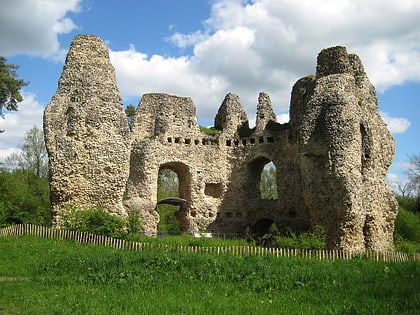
[{"x": 268, "y": 182}]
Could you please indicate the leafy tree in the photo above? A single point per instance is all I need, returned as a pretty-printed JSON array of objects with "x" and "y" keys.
[
  {"x": 268, "y": 184},
  {"x": 24, "y": 187},
  {"x": 407, "y": 225},
  {"x": 10, "y": 86},
  {"x": 33, "y": 156},
  {"x": 130, "y": 111},
  {"x": 168, "y": 184},
  {"x": 24, "y": 198}
]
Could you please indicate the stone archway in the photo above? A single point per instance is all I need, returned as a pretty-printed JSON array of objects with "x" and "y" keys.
[
  {"x": 254, "y": 179},
  {"x": 261, "y": 227},
  {"x": 183, "y": 175}
]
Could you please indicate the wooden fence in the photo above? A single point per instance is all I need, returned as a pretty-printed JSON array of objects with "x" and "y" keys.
[{"x": 89, "y": 238}]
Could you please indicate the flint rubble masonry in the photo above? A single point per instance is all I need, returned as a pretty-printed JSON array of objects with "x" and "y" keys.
[{"x": 331, "y": 159}]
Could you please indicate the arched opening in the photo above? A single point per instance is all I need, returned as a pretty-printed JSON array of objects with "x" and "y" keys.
[
  {"x": 261, "y": 182},
  {"x": 173, "y": 189},
  {"x": 261, "y": 227},
  {"x": 268, "y": 182},
  {"x": 168, "y": 186}
]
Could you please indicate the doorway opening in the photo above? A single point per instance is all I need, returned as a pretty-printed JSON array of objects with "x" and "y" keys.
[{"x": 173, "y": 193}]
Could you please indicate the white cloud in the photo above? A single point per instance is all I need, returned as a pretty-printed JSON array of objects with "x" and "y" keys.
[
  {"x": 17, "y": 123},
  {"x": 32, "y": 26},
  {"x": 266, "y": 45},
  {"x": 186, "y": 40},
  {"x": 283, "y": 118},
  {"x": 138, "y": 74},
  {"x": 395, "y": 124}
]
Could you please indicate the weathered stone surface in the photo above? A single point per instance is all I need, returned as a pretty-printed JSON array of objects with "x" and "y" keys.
[
  {"x": 265, "y": 112},
  {"x": 346, "y": 150},
  {"x": 86, "y": 131},
  {"x": 231, "y": 115},
  {"x": 331, "y": 159}
]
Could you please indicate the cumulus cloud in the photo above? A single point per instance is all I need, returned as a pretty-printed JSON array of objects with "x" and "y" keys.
[
  {"x": 32, "y": 26},
  {"x": 395, "y": 124},
  {"x": 16, "y": 124},
  {"x": 247, "y": 47},
  {"x": 138, "y": 74}
]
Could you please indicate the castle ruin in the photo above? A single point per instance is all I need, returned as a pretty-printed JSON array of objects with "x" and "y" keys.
[{"x": 331, "y": 158}]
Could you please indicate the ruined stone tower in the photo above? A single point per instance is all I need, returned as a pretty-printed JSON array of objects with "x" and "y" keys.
[
  {"x": 86, "y": 131},
  {"x": 331, "y": 159}
]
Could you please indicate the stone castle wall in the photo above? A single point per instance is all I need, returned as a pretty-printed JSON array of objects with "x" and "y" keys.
[{"x": 331, "y": 159}]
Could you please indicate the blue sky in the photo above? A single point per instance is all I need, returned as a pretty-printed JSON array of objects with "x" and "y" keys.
[{"x": 207, "y": 48}]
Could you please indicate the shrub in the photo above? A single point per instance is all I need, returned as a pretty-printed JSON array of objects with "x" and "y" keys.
[
  {"x": 211, "y": 131},
  {"x": 407, "y": 225},
  {"x": 307, "y": 240},
  {"x": 411, "y": 204},
  {"x": 404, "y": 246},
  {"x": 407, "y": 231},
  {"x": 95, "y": 220},
  {"x": 133, "y": 223}
]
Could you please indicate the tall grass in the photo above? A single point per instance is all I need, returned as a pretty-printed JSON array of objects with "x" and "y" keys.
[{"x": 55, "y": 276}]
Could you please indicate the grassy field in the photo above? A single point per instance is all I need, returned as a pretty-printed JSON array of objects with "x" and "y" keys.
[{"x": 55, "y": 276}]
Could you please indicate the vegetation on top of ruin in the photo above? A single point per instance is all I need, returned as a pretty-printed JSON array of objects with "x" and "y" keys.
[
  {"x": 244, "y": 131},
  {"x": 275, "y": 126},
  {"x": 211, "y": 131}
]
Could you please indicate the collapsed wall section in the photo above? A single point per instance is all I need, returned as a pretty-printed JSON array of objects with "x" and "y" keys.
[{"x": 166, "y": 135}]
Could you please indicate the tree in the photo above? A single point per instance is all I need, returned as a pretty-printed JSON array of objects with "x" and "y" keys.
[
  {"x": 268, "y": 184},
  {"x": 33, "y": 156},
  {"x": 413, "y": 180},
  {"x": 23, "y": 199},
  {"x": 402, "y": 188},
  {"x": 130, "y": 111},
  {"x": 10, "y": 86},
  {"x": 413, "y": 174}
]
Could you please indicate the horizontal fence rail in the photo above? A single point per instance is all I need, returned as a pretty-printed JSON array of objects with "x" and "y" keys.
[{"x": 89, "y": 238}]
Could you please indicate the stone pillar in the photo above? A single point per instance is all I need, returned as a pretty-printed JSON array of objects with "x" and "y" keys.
[
  {"x": 86, "y": 132},
  {"x": 265, "y": 112},
  {"x": 346, "y": 150}
]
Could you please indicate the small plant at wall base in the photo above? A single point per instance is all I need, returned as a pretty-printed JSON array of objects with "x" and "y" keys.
[{"x": 133, "y": 223}]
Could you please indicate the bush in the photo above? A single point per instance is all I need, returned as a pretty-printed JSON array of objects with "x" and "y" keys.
[
  {"x": 407, "y": 231},
  {"x": 407, "y": 225},
  {"x": 211, "y": 131},
  {"x": 307, "y": 240},
  {"x": 411, "y": 204},
  {"x": 404, "y": 246},
  {"x": 94, "y": 220}
]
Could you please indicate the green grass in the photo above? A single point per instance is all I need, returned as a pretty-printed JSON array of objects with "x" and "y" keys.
[{"x": 54, "y": 276}]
